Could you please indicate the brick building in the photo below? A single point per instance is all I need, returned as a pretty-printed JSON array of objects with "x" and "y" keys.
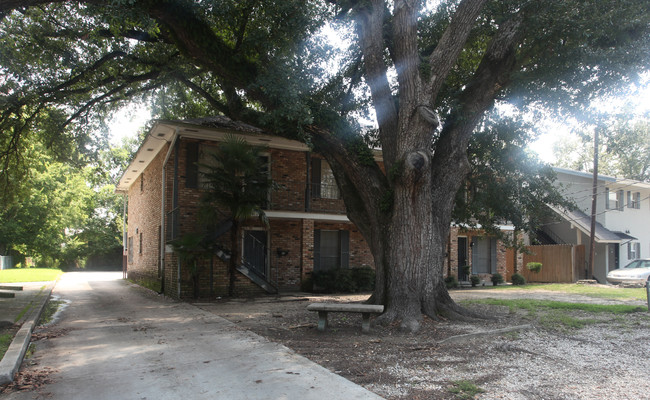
[{"x": 308, "y": 229}]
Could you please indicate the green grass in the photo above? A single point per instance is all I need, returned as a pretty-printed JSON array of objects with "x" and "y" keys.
[
  {"x": 23, "y": 312},
  {"x": 15, "y": 275},
  {"x": 560, "y": 314},
  {"x": 151, "y": 284},
  {"x": 534, "y": 305},
  {"x": 613, "y": 293},
  {"x": 5, "y": 341},
  {"x": 555, "y": 319},
  {"x": 465, "y": 389}
]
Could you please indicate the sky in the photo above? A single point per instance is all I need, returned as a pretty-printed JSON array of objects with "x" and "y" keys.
[
  {"x": 127, "y": 122},
  {"x": 552, "y": 132}
]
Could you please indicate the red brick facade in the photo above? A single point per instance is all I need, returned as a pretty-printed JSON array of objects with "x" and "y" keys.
[
  {"x": 290, "y": 238},
  {"x": 453, "y": 263},
  {"x": 296, "y": 213},
  {"x": 143, "y": 237}
]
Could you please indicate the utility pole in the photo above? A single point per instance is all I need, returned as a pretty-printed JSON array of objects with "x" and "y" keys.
[{"x": 594, "y": 195}]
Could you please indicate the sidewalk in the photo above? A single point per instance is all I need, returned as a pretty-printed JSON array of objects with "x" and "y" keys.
[
  {"x": 23, "y": 309},
  {"x": 117, "y": 340}
]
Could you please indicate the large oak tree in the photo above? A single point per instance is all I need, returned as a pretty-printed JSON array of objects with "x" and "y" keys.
[{"x": 429, "y": 73}]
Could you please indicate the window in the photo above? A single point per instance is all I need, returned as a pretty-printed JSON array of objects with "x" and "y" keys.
[
  {"x": 130, "y": 249},
  {"x": 328, "y": 188},
  {"x": 191, "y": 165},
  {"x": 633, "y": 200},
  {"x": 614, "y": 199},
  {"x": 140, "y": 247},
  {"x": 484, "y": 255},
  {"x": 205, "y": 156},
  {"x": 331, "y": 249},
  {"x": 142, "y": 183},
  {"x": 322, "y": 179},
  {"x": 633, "y": 250},
  {"x": 204, "y": 159}
]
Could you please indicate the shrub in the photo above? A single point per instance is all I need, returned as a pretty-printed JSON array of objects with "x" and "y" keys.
[
  {"x": 518, "y": 279},
  {"x": 344, "y": 280},
  {"x": 467, "y": 269},
  {"x": 451, "y": 282},
  {"x": 534, "y": 266},
  {"x": 364, "y": 278},
  {"x": 475, "y": 280},
  {"x": 307, "y": 284},
  {"x": 496, "y": 278}
]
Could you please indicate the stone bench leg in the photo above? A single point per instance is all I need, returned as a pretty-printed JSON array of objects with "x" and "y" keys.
[
  {"x": 322, "y": 321},
  {"x": 365, "y": 322}
]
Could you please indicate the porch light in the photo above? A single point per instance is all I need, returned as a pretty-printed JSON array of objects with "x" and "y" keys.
[{"x": 282, "y": 253}]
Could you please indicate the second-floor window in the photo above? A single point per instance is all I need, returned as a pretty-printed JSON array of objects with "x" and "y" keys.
[
  {"x": 323, "y": 182},
  {"x": 614, "y": 199},
  {"x": 634, "y": 200}
]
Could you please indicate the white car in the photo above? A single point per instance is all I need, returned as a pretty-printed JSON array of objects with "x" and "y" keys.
[{"x": 636, "y": 272}]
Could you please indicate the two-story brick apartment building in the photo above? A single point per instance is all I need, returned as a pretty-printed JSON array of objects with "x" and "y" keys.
[{"x": 308, "y": 228}]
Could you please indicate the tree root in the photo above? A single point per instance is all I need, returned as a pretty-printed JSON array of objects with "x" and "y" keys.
[{"x": 438, "y": 310}]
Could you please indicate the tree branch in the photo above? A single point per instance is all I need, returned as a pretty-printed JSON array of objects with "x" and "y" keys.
[
  {"x": 98, "y": 99},
  {"x": 195, "y": 37},
  {"x": 7, "y": 6},
  {"x": 446, "y": 53},
  {"x": 405, "y": 50},
  {"x": 370, "y": 23},
  {"x": 203, "y": 93},
  {"x": 492, "y": 74}
]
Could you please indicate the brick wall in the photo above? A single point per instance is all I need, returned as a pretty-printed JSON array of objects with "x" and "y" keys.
[
  {"x": 295, "y": 236},
  {"x": 144, "y": 209},
  {"x": 451, "y": 259},
  {"x": 286, "y": 235}
]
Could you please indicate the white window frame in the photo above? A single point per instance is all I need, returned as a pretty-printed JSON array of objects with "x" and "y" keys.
[{"x": 328, "y": 187}]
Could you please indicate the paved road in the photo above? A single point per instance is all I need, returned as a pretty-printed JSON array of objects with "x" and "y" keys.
[{"x": 118, "y": 341}]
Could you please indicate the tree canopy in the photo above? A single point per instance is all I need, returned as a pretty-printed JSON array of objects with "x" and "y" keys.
[
  {"x": 428, "y": 73},
  {"x": 624, "y": 149}
]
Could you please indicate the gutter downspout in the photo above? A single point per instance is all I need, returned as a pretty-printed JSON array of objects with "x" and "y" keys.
[
  {"x": 163, "y": 232},
  {"x": 124, "y": 242}
]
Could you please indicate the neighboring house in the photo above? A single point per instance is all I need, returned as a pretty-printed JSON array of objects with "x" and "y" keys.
[
  {"x": 308, "y": 231},
  {"x": 622, "y": 219}
]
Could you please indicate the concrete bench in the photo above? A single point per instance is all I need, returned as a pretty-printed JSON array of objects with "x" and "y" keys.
[{"x": 364, "y": 309}]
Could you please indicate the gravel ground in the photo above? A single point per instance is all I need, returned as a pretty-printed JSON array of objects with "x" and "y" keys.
[{"x": 608, "y": 357}]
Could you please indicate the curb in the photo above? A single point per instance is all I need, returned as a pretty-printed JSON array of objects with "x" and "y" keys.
[{"x": 13, "y": 358}]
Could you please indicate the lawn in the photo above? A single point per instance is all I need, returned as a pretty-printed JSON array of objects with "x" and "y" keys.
[
  {"x": 29, "y": 275},
  {"x": 613, "y": 292}
]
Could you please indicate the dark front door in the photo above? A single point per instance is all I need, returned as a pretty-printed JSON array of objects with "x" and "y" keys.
[
  {"x": 462, "y": 258},
  {"x": 255, "y": 251}
]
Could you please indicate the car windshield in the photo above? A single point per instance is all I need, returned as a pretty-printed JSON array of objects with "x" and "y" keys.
[{"x": 639, "y": 264}]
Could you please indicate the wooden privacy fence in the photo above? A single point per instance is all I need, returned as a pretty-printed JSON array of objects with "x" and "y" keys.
[{"x": 561, "y": 263}]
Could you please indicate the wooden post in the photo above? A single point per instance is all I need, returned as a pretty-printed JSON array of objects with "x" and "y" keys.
[{"x": 592, "y": 237}]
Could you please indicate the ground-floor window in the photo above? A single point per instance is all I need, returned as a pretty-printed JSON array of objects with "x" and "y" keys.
[
  {"x": 484, "y": 255},
  {"x": 331, "y": 249},
  {"x": 633, "y": 250},
  {"x": 129, "y": 247}
]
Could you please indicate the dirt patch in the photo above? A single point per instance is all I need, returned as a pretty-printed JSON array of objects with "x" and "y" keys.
[{"x": 550, "y": 360}]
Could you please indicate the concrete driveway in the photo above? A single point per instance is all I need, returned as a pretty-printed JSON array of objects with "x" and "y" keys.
[{"x": 118, "y": 341}]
